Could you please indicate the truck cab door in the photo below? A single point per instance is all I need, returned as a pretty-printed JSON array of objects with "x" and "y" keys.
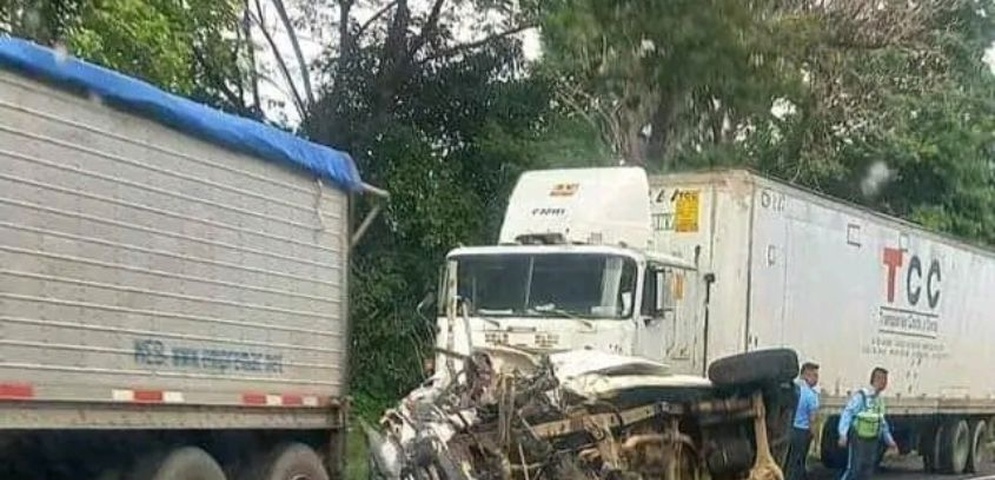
[
  {"x": 669, "y": 321},
  {"x": 655, "y": 323}
]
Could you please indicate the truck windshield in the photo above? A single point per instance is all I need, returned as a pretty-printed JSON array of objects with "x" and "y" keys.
[{"x": 567, "y": 285}]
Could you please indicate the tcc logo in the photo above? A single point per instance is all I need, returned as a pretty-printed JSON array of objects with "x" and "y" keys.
[{"x": 915, "y": 286}]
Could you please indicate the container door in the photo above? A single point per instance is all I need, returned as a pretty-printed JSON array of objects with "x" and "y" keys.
[{"x": 771, "y": 246}]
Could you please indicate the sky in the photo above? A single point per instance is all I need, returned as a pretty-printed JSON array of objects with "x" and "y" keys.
[{"x": 276, "y": 98}]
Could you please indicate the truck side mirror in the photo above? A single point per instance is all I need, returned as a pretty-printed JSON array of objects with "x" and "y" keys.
[{"x": 427, "y": 301}]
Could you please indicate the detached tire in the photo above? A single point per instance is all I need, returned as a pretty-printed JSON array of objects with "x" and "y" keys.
[
  {"x": 292, "y": 461},
  {"x": 758, "y": 367},
  {"x": 185, "y": 463}
]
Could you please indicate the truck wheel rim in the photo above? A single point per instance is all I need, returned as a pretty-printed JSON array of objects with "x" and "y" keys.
[
  {"x": 979, "y": 446},
  {"x": 961, "y": 447}
]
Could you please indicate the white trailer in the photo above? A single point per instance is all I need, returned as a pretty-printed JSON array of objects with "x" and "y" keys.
[
  {"x": 173, "y": 300},
  {"x": 847, "y": 288}
]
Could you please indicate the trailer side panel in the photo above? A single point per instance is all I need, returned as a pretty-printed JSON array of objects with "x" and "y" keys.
[
  {"x": 848, "y": 288},
  {"x": 139, "y": 265},
  {"x": 863, "y": 290}
]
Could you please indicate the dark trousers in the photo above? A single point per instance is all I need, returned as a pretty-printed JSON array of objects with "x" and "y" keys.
[
  {"x": 861, "y": 458},
  {"x": 801, "y": 439}
]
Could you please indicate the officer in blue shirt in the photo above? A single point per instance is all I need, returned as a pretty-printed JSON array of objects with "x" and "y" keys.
[
  {"x": 803, "y": 426},
  {"x": 863, "y": 426}
]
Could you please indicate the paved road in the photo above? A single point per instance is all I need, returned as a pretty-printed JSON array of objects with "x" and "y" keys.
[{"x": 906, "y": 468}]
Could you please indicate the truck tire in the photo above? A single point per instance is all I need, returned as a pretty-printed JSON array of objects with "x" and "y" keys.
[
  {"x": 955, "y": 446},
  {"x": 730, "y": 456},
  {"x": 978, "y": 453},
  {"x": 929, "y": 442},
  {"x": 879, "y": 456},
  {"x": 758, "y": 367},
  {"x": 184, "y": 463},
  {"x": 292, "y": 461}
]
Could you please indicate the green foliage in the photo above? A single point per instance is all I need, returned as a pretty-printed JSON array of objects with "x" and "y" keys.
[
  {"x": 187, "y": 48},
  {"x": 448, "y": 139},
  {"x": 107, "y": 34},
  {"x": 893, "y": 109},
  {"x": 681, "y": 67},
  {"x": 42, "y": 20},
  {"x": 920, "y": 119}
]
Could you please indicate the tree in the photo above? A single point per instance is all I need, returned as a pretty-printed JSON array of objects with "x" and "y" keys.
[
  {"x": 665, "y": 81},
  {"x": 884, "y": 103},
  {"x": 42, "y": 20},
  {"x": 189, "y": 48},
  {"x": 911, "y": 109},
  {"x": 664, "y": 77},
  {"x": 445, "y": 126}
]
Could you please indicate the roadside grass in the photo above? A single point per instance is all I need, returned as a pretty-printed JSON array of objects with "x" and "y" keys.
[{"x": 356, "y": 467}]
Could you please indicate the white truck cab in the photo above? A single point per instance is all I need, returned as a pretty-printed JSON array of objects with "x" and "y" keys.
[{"x": 575, "y": 268}]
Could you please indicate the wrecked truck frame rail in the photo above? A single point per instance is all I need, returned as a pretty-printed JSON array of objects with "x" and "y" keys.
[
  {"x": 612, "y": 450},
  {"x": 629, "y": 421}
]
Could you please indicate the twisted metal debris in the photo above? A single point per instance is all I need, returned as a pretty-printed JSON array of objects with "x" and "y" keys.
[{"x": 509, "y": 414}]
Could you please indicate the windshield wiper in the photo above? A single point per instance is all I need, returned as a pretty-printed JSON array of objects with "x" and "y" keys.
[
  {"x": 491, "y": 321},
  {"x": 563, "y": 314},
  {"x": 479, "y": 313}
]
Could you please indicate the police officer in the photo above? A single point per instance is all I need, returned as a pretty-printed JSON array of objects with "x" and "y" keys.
[
  {"x": 863, "y": 426},
  {"x": 803, "y": 426}
]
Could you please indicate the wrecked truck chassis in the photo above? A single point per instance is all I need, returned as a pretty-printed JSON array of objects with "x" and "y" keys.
[
  {"x": 639, "y": 442},
  {"x": 533, "y": 427}
]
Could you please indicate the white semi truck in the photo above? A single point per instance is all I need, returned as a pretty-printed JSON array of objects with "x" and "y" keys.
[
  {"x": 687, "y": 269},
  {"x": 557, "y": 354},
  {"x": 173, "y": 300}
]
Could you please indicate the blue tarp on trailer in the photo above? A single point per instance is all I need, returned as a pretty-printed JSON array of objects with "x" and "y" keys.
[{"x": 209, "y": 124}]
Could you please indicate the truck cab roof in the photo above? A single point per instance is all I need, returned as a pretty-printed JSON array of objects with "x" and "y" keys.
[{"x": 635, "y": 254}]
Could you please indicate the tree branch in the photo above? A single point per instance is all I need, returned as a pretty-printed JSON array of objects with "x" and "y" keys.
[
  {"x": 295, "y": 43},
  {"x": 237, "y": 102},
  {"x": 398, "y": 32},
  {"x": 376, "y": 16},
  {"x": 449, "y": 52},
  {"x": 240, "y": 40},
  {"x": 578, "y": 109},
  {"x": 254, "y": 70},
  {"x": 394, "y": 58},
  {"x": 870, "y": 25},
  {"x": 429, "y": 29},
  {"x": 606, "y": 129},
  {"x": 298, "y": 100}
]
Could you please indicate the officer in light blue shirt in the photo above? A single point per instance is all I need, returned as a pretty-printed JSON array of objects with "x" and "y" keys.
[
  {"x": 804, "y": 421},
  {"x": 863, "y": 427}
]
